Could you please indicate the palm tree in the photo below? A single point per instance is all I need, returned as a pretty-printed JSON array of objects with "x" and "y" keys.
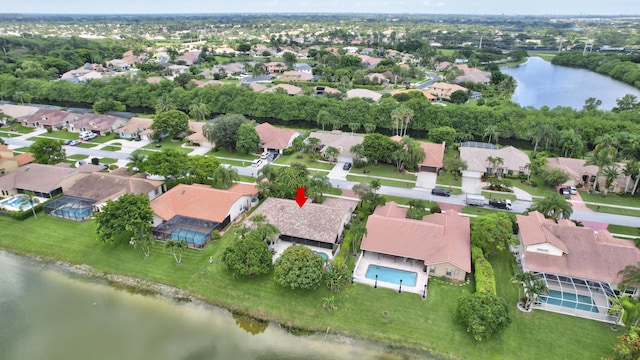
[
  {"x": 264, "y": 188},
  {"x": 542, "y": 132},
  {"x": 631, "y": 171},
  {"x": 268, "y": 172},
  {"x": 571, "y": 142},
  {"x": 630, "y": 276},
  {"x": 164, "y": 103},
  {"x": 369, "y": 127},
  {"x": 495, "y": 162},
  {"x": 611, "y": 173},
  {"x": 554, "y": 207},
  {"x": 176, "y": 246},
  {"x": 313, "y": 143},
  {"x": 533, "y": 287},
  {"x": 318, "y": 185},
  {"x": 136, "y": 161},
  {"x": 463, "y": 136},
  {"x": 199, "y": 111},
  {"x": 32, "y": 198},
  {"x": 358, "y": 230},
  {"x": 323, "y": 118},
  {"x": 492, "y": 131},
  {"x": 401, "y": 116},
  {"x": 607, "y": 144},
  {"x": 226, "y": 176},
  {"x": 354, "y": 126},
  {"x": 333, "y": 153},
  {"x": 599, "y": 159},
  {"x": 375, "y": 186},
  {"x": 416, "y": 207}
]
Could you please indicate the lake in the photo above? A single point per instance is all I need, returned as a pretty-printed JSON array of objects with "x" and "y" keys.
[
  {"x": 44, "y": 314},
  {"x": 541, "y": 83}
]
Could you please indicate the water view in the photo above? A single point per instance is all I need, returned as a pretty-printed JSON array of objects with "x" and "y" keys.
[
  {"x": 47, "y": 315},
  {"x": 541, "y": 83}
]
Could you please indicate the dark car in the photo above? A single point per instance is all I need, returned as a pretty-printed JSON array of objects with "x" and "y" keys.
[
  {"x": 564, "y": 192},
  {"x": 346, "y": 166},
  {"x": 67, "y": 142},
  {"x": 440, "y": 192}
]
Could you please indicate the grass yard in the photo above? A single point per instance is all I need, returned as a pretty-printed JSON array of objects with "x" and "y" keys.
[
  {"x": 77, "y": 157},
  {"x": 17, "y": 128},
  {"x": 22, "y": 149},
  {"x": 168, "y": 144},
  {"x": 614, "y": 210},
  {"x": 476, "y": 210},
  {"x": 499, "y": 195},
  {"x": 395, "y": 183},
  {"x": 383, "y": 170},
  {"x": 625, "y": 230},
  {"x": 290, "y": 159},
  {"x": 611, "y": 199},
  {"x": 539, "y": 190},
  {"x": 87, "y": 145},
  {"x": 112, "y": 147},
  {"x": 448, "y": 179},
  {"x": 427, "y": 325},
  {"x": 144, "y": 152},
  {"x": 62, "y": 135},
  {"x": 405, "y": 201},
  {"x": 234, "y": 162},
  {"x": 246, "y": 178},
  {"x": 234, "y": 155},
  {"x": 104, "y": 139},
  {"x": 108, "y": 160}
]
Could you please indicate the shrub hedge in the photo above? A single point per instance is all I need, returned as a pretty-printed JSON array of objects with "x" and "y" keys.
[{"x": 483, "y": 272}]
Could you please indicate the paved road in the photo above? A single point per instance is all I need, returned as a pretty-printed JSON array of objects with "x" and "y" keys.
[
  {"x": 434, "y": 78},
  {"x": 413, "y": 192}
]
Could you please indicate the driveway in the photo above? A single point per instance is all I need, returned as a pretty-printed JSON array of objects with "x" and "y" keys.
[
  {"x": 338, "y": 172},
  {"x": 426, "y": 180}
]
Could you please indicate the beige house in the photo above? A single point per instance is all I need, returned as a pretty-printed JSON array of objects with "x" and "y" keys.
[
  {"x": 437, "y": 245},
  {"x": 513, "y": 162},
  {"x": 100, "y": 124},
  {"x": 579, "y": 265},
  {"x": 580, "y": 173},
  {"x": 275, "y": 139},
  {"x": 44, "y": 181},
  {"x": 295, "y": 76},
  {"x": 339, "y": 140},
  {"x": 291, "y": 90},
  {"x": 444, "y": 90},
  {"x": 45, "y": 118},
  {"x": 364, "y": 93},
  {"x": 136, "y": 127},
  {"x": 17, "y": 112},
  {"x": 10, "y": 162}
]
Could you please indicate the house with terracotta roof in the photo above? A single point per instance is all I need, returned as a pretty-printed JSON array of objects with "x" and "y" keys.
[
  {"x": 444, "y": 90},
  {"x": 474, "y": 75},
  {"x": 46, "y": 118},
  {"x": 10, "y": 161},
  {"x": 275, "y": 139},
  {"x": 437, "y": 245},
  {"x": 274, "y": 67},
  {"x": 434, "y": 157},
  {"x": 339, "y": 140},
  {"x": 136, "y": 127},
  {"x": 44, "y": 181},
  {"x": 318, "y": 226},
  {"x": 100, "y": 124},
  {"x": 197, "y": 137},
  {"x": 514, "y": 162},
  {"x": 192, "y": 212},
  {"x": 579, "y": 265},
  {"x": 580, "y": 173},
  {"x": 189, "y": 57}
]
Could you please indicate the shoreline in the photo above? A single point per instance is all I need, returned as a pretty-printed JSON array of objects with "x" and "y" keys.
[{"x": 140, "y": 286}]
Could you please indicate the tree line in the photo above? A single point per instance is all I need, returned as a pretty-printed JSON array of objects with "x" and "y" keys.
[{"x": 623, "y": 67}]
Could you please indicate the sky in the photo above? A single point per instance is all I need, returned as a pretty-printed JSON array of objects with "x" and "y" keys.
[{"x": 506, "y": 7}]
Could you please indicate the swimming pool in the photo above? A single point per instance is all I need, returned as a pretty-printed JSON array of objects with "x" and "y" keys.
[
  {"x": 324, "y": 256},
  {"x": 391, "y": 275},
  {"x": 189, "y": 236},
  {"x": 16, "y": 202},
  {"x": 569, "y": 300},
  {"x": 74, "y": 213}
]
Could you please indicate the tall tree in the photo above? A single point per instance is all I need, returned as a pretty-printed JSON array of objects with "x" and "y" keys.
[
  {"x": 533, "y": 287},
  {"x": 492, "y": 131},
  {"x": 199, "y": 111},
  {"x": 600, "y": 159},
  {"x": 135, "y": 161},
  {"x": 177, "y": 248},
  {"x": 318, "y": 185},
  {"x": 401, "y": 117},
  {"x": 168, "y": 163},
  {"x": 333, "y": 153},
  {"x": 173, "y": 123},
  {"x": 268, "y": 172},
  {"x": 200, "y": 168},
  {"x": 225, "y": 176},
  {"x": 492, "y": 232},
  {"x": 455, "y": 166},
  {"x": 555, "y": 207},
  {"x": 323, "y": 118},
  {"x": 248, "y": 139},
  {"x": 378, "y": 147},
  {"x": 32, "y": 202},
  {"x": 247, "y": 256},
  {"x": 299, "y": 268},
  {"x": 48, "y": 151},
  {"x": 223, "y": 130},
  {"x": 630, "y": 276}
]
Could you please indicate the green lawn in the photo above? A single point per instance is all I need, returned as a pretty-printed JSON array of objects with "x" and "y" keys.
[
  {"x": 22, "y": 149},
  {"x": 501, "y": 195},
  {"x": 448, "y": 179},
  {"x": 108, "y": 160},
  {"x": 427, "y": 325},
  {"x": 234, "y": 155},
  {"x": 168, "y": 144},
  {"x": 77, "y": 157},
  {"x": 613, "y": 210},
  {"x": 112, "y": 147},
  {"x": 539, "y": 190},
  {"x": 144, "y": 152},
  {"x": 383, "y": 170},
  {"x": 626, "y": 230},
  {"x": 475, "y": 210},
  {"x": 611, "y": 199},
  {"x": 87, "y": 145},
  {"x": 62, "y": 135},
  {"x": 386, "y": 182},
  {"x": 104, "y": 139},
  {"x": 17, "y": 128},
  {"x": 234, "y": 162},
  {"x": 405, "y": 201},
  {"x": 246, "y": 178},
  {"x": 290, "y": 159}
]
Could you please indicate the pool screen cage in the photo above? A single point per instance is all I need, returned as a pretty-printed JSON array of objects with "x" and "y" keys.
[
  {"x": 70, "y": 207},
  {"x": 600, "y": 292},
  {"x": 195, "y": 232}
]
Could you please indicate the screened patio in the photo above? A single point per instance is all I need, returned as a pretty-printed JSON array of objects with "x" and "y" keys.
[
  {"x": 578, "y": 297},
  {"x": 195, "y": 232},
  {"x": 70, "y": 207}
]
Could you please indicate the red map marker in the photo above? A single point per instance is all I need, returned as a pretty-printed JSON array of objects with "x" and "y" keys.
[{"x": 300, "y": 198}]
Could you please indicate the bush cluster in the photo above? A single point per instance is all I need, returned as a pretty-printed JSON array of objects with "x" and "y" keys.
[{"x": 483, "y": 272}]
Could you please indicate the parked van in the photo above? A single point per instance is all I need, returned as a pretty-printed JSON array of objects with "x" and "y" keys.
[{"x": 87, "y": 135}]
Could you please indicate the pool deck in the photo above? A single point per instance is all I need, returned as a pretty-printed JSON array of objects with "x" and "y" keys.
[
  {"x": 36, "y": 200},
  {"x": 359, "y": 274},
  {"x": 601, "y": 301},
  {"x": 280, "y": 246}
]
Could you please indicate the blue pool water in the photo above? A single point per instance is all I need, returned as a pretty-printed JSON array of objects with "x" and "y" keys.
[
  {"x": 189, "y": 236},
  {"x": 324, "y": 256},
  {"x": 391, "y": 275},
  {"x": 569, "y": 300},
  {"x": 73, "y": 212},
  {"x": 15, "y": 201}
]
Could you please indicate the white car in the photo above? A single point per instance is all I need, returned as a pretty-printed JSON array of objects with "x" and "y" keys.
[
  {"x": 573, "y": 190},
  {"x": 256, "y": 163},
  {"x": 264, "y": 155}
]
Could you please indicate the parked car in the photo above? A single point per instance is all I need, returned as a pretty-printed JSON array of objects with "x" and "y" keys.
[
  {"x": 573, "y": 190},
  {"x": 67, "y": 142},
  {"x": 346, "y": 166},
  {"x": 87, "y": 135},
  {"x": 256, "y": 162},
  {"x": 564, "y": 192},
  {"x": 440, "y": 192},
  {"x": 74, "y": 142},
  {"x": 264, "y": 155},
  {"x": 501, "y": 204}
]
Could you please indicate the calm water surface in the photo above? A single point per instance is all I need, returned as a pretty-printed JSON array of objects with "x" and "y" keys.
[
  {"x": 541, "y": 83},
  {"x": 46, "y": 315}
]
